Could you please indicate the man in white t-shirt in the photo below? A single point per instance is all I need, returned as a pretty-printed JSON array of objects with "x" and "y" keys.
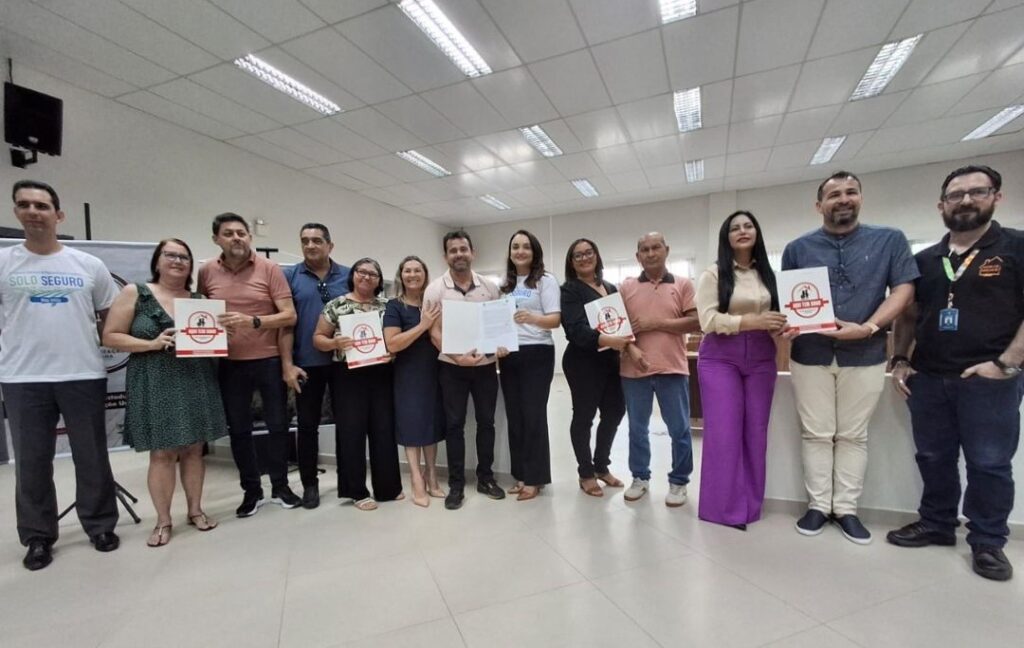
[{"x": 50, "y": 365}]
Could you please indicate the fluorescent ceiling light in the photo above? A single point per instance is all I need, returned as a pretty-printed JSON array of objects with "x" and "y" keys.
[
  {"x": 584, "y": 187},
  {"x": 494, "y": 202},
  {"x": 279, "y": 80},
  {"x": 448, "y": 39},
  {"x": 1005, "y": 116},
  {"x": 828, "y": 148},
  {"x": 687, "y": 106},
  {"x": 673, "y": 10},
  {"x": 539, "y": 140},
  {"x": 887, "y": 63},
  {"x": 425, "y": 163},
  {"x": 695, "y": 170}
]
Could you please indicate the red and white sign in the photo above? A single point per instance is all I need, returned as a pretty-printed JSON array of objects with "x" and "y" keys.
[
  {"x": 367, "y": 339},
  {"x": 198, "y": 335},
  {"x": 806, "y": 298},
  {"x": 608, "y": 315}
]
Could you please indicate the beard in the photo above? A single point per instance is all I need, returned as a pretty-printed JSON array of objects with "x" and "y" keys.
[
  {"x": 842, "y": 216},
  {"x": 966, "y": 218}
]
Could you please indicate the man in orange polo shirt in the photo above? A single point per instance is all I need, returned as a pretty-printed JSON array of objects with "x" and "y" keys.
[
  {"x": 661, "y": 310},
  {"x": 259, "y": 302}
]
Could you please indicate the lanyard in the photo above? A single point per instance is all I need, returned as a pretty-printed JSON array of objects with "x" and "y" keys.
[{"x": 953, "y": 277}]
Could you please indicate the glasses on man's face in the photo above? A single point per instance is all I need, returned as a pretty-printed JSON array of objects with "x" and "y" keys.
[
  {"x": 367, "y": 274},
  {"x": 174, "y": 256},
  {"x": 325, "y": 296},
  {"x": 583, "y": 255},
  {"x": 978, "y": 193}
]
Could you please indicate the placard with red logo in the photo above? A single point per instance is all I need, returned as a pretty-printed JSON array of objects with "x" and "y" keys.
[
  {"x": 805, "y": 298},
  {"x": 608, "y": 316},
  {"x": 367, "y": 335},
  {"x": 198, "y": 335}
]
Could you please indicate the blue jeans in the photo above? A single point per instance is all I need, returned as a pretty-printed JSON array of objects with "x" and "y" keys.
[
  {"x": 673, "y": 394},
  {"x": 981, "y": 416}
]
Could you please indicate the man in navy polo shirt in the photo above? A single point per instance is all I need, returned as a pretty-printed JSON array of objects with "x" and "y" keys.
[
  {"x": 314, "y": 282},
  {"x": 964, "y": 382}
]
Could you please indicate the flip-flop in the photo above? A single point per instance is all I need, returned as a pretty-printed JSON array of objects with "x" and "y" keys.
[
  {"x": 366, "y": 504},
  {"x": 161, "y": 535},
  {"x": 201, "y": 522}
]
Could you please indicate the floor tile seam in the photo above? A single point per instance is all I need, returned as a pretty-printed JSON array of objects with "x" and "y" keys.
[
  {"x": 842, "y": 634},
  {"x": 626, "y": 614},
  {"x": 915, "y": 589},
  {"x": 520, "y": 597},
  {"x": 440, "y": 591},
  {"x": 292, "y": 542}
]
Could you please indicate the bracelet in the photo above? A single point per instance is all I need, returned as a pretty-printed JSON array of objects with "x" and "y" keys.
[{"x": 874, "y": 327}]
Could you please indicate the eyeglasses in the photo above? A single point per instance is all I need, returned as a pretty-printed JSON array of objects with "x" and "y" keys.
[
  {"x": 978, "y": 193},
  {"x": 583, "y": 255},
  {"x": 172, "y": 256},
  {"x": 325, "y": 295},
  {"x": 367, "y": 274}
]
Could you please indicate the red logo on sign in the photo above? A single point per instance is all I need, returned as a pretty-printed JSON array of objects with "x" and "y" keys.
[
  {"x": 807, "y": 301},
  {"x": 363, "y": 339},
  {"x": 609, "y": 321},
  {"x": 201, "y": 327}
]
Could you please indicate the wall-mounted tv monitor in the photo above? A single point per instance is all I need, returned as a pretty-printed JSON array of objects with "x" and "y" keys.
[{"x": 32, "y": 120}]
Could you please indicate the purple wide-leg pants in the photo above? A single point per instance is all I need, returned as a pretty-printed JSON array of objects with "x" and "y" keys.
[{"x": 737, "y": 379}]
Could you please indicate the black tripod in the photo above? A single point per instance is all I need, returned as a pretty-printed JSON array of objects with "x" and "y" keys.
[{"x": 123, "y": 495}]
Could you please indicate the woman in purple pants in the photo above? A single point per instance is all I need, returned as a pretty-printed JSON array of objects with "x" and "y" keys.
[{"x": 738, "y": 304}]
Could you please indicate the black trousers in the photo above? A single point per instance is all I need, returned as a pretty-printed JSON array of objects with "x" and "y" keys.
[
  {"x": 309, "y": 406},
  {"x": 365, "y": 400},
  {"x": 239, "y": 379},
  {"x": 33, "y": 410},
  {"x": 594, "y": 384},
  {"x": 526, "y": 383},
  {"x": 457, "y": 384}
]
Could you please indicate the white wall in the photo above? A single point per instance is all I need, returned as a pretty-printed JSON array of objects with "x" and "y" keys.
[{"x": 147, "y": 179}]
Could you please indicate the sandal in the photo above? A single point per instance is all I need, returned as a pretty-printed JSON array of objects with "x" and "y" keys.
[
  {"x": 591, "y": 487},
  {"x": 518, "y": 488},
  {"x": 366, "y": 504},
  {"x": 610, "y": 479},
  {"x": 528, "y": 493},
  {"x": 161, "y": 535},
  {"x": 201, "y": 522}
]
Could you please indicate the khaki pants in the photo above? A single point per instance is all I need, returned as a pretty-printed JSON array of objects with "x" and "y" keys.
[{"x": 835, "y": 404}]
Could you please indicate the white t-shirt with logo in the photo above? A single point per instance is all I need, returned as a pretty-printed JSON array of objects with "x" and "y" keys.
[
  {"x": 49, "y": 304},
  {"x": 545, "y": 299}
]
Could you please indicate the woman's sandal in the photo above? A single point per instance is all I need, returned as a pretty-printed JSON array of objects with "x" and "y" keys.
[
  {"x": 366, "y": 504},
  {"x": 610, "y": 479},
  {"x": 161, "y": 535},
  {"x": 591, "y": 487},
  {"x": 516, "y": 489},
  {"x": 528, "y": 493},
  {"x": 201, "y": 522}
]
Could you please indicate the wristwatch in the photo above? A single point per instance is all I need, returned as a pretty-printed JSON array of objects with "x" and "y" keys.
[
  {"x": 897, "y": 359},
  {"x": 256, "y": 322},
  {"x": 1007, "y": 370}
]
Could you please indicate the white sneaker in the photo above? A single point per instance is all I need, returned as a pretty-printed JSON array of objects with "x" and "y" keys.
[
  {"x": 636, "y": 490},
  {"x": 676, "y": 495}
]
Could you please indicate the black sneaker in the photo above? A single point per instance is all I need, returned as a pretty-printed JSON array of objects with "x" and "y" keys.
[
  {"x": 284, "y": 496},
  {"x": 453, "y": 501},
  {"x": 40, "y": 554},
  {"x": 852, "y": 529},
  {"x": 491, "y": 489},
  {"x": 812, "y": 523},
  {"x": 990, "y": 562},
  {"x": 916, "y": 534},
  {"x": 311, "y": 497},
  {"x": 251, "y": 502}
]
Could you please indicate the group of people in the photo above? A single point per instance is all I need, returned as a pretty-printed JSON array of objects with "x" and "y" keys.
[{"x": 962, "y": 382}]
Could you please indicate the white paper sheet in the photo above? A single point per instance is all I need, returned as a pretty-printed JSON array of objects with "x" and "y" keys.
[
  {"x": 197, "y": 333},
  {"x": 483, "y": 326},
  {"x": 368, "y": 339},
  {"x": 805, "y": 298}
]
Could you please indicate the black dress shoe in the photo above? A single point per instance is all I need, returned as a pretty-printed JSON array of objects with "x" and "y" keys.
[
  {"x": 990, "y": 562},
  {"x": 916, "y": 534},
  {"x": 311, "y": 497},
  {"x": 106, "y": 541},
  {"x": 454, "y": 499},
  {"x": 491, "y": 489},
  {"x": 39, "y": 555}
]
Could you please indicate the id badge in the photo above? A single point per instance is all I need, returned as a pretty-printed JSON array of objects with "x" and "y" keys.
[{"x": 949, "y": 319}]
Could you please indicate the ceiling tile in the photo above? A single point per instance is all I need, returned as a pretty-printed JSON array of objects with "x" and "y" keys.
[
  {"x": 628, "y": 181},
  {"x": 701, "y": 49},
  {"x": 560, "y": 192},
  {"x": 467, "y": 184},
  {"x": 926, "y": 15},
  {"x": 396, "y": 42},
  {"x": 416, "y": 115},
  {"x": 852, "y": 146},
  {"x": 332, "y": 11},
  {"x": 714, "y": 168},
  {"x": 278, "y": 20},
  {"x": 704, "y": 143},
  {"x": 658, "y": 152},
  {"x": 398, "y": 168},
  {"x": 38, "y": 57},
  {"x": 577, "y": 165},
  {"x": 437, "y": 155},
  {"x": 604, "y": 20},
  {"x": 755, "y": 134},
  {"x": 999, "y": 89},
  {"x": 921, "y": 135},
  {"x": 305, "y": 146},
  {"x": 806, "y": 124},
  {"x": 133, "y": 31},
  {"x": 235, "y": 84},
  {"x": 932, "y": 101},
  {"x": 410, "y": 194},
  {"x": 616, "y": 159},
  {"x": 273, "y": 152},
  {"x": 538, "y": 172},
  {"x": 437, "y": 188},
  {"x": 649, "y": 118},
  {"x": 792, "y": 155},
  {"x": 209, "y": 103},
  {"x": 748, "y": 162},
  {"x": 532, "y": 38},
  {"x": 530, "y": 196},
  {"x": 509, "y": 146},
  {"x": 385, "y": 196},
  {"x": 563, "y": 136},
  {"x": 469, "y": 154},
  {"x": 516, "y": 96},
  {"x": 716, "y": 103},
  {"x": 831, "y": 80},
  {"x": 847, "y": 26},
  {"x": 866, "y": 114},
  {"x": 295, "y": 68},
  {"x": 366, "y": 173},
  {"x": 369, "y": 123},
  {"x": 463, "y": 105},
  {"x": 763, "y": 94},
  {"x": 986, "y": 45},
  {"x": 598, "y": 129},
  {"x": 634, "y": 67},
  {"x": 506, "y": 178},
  {"x": 336, "y": 176},
  {"x": 669, "y": 175},
  {"x": 571, "y": 82},
  {"x": 333, "y": 134},
  {"x": 330, "y": 54},
  {"x": 774, "y": 33},
  {"x": 172, "y": 112},
  {"x": 203, "y": 24},
  {"x": 927, "y": 54},
  {"x": 470, "y": 18}
]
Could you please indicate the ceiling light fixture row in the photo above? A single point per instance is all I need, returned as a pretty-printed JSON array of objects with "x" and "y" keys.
[
  {"x": 584, "y": 187},
  {"x": 827, "y": 150},
  {"x": 439, "y": 29},
  {"x": 695, "y": 170},
  {"x": 425, "y": 163},
  {"x": 1002, "y": 118},
  {"x": 277, "y": 79},
  {"x": 887, "y": 63},
  {"x": 673, "y": 10},
  {"x": 687, "y": 106},
  {"x": 494, "y": 202},
  {"x": 540, "y": 140}
]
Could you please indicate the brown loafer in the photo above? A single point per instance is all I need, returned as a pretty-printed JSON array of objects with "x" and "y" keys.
[
  {"x": 528, "y": 493},
  {"x": 610, "y": 479},
  {"x": 591, "y": 487}
]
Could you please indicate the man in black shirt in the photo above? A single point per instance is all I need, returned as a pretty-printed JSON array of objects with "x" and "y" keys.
[{"x": 964, "y": 383}]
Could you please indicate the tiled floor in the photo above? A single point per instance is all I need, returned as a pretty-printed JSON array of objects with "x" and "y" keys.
[{"x": 561, "y": 570}]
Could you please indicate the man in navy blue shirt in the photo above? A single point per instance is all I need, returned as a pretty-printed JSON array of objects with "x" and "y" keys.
[
  {"x": 838, "y": 375},
  {"x": 314, "y": 282}
]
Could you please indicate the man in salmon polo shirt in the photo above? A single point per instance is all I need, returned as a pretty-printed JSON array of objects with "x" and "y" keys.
[
  {"x": 259, "y": 302},
  {"x": 661, "y": 310}
]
